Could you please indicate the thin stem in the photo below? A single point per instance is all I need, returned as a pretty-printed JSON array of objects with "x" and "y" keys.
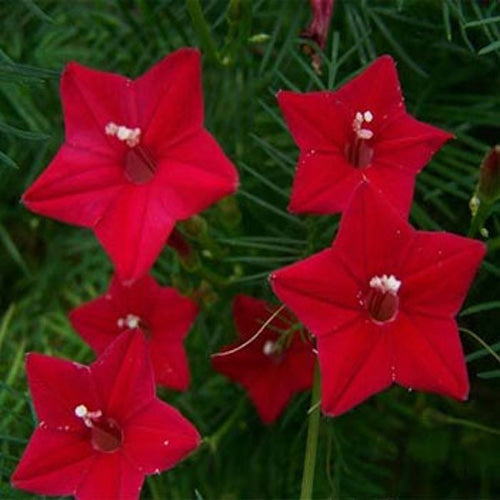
[
  {"x": 312, "y": 440},
  {"x": 481, "y": 341},
  {"x": 253, "y": 337},
  {"x": 202, "y": 29}
]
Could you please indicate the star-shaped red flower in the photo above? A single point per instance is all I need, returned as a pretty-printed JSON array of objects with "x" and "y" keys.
[
  {"x": 360, "y": 131},
  {"x": 276, "y": 365},
  {"x": 101, "y": 427},
  {"x": 162, "y": 314},
  {"x": 136, "y": 159},
  {"x": 381, "y": 302}
]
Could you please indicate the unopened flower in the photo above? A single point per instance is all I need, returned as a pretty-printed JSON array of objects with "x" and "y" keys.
[
  {"x": 136, "y": 159},
  {"x": 381, "y": 302},
  {"x": 161, "y": 313},
  {"x": 318, "y": 28},
  {"x": 488, "y": 188},
  {"x": 101, "y": 428},
  {"x": 361, "y": 131},
  {"x": 274, "y": 366}
]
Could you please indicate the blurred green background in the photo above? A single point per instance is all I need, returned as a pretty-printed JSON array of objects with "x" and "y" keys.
[{"x": 398, "y": 444}]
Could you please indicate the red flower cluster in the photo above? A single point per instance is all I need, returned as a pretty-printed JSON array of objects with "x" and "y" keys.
[
  {"x": 133, "y": 151},
  {"x": 277, "y": 364},
  {"x": 381, "y": 301}
]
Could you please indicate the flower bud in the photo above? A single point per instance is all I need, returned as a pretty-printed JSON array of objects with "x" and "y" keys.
[{"x": 488, "y": 188}]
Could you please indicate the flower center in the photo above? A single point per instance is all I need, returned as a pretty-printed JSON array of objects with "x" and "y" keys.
[
  {"x": 140, "y": 166},
  {"x": 359, "y": 152},
  {"x": 132, "y": 321},
  {"x": 105, "y": 434},
  {"x": 382, "y": 300}
]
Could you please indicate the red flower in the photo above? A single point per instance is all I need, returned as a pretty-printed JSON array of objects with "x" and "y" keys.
[
  {"x": 134, "y": 150},
  {"x": 161, "y": 313},
  {"x": 277, "y": 364},
  {"x": 101, "y": 427},
  {"x": 360, "y": 131},
  {"x": 381, "y": 302}
]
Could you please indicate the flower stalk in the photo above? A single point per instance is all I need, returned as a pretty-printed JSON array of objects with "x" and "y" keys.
[{"x": 312, "y": 439}]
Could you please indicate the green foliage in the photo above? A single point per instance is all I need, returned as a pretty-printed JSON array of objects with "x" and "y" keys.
[{"x": 398, "y": 444}]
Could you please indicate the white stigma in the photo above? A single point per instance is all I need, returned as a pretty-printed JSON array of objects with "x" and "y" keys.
[
  {"x": 269, "y": 348},
  {"x": 131, "y": 321},
  {"x": 87, "y": 416},
  {"x": 131, "y": 136},
  {"x": 386, "y": 284},
  {"x": 357, "y": 125}
]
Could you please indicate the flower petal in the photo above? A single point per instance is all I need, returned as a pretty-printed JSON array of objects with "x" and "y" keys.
[
  {"x": 170, "y": 100},
  {"x": 170, "y": 363},
  {"x": 158, "y": 437},
  {"x": 438, "y": 272},
  {"x": 92, "y": 99},
  {"x": 123, "y": 377},
  {"x": 54, "y": 463},
  {"x": 112, "y": 476},
  {"x": 77, "y": 187},
  {"x": 323, "y": 183},
  {"x": 57, "y": 388},
  {"x": 408, "y": 144},
  {"x": 197, "y": 161},
  {"x": 429, "y": 357},
  {"x": 376, "y": 89},
  {"x": 96, "y": 323},
  {"x": 373, "y": 239},
  {"x": 134, "y": 229},
  {"x": 320, "y": 291},
  {"x": 355, "y": 363},
  {"x": 316, "y": 120}
]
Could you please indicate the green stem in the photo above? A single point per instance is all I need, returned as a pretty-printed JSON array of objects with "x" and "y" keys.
[
  {"x": 202, "y": 29},
  {"x": 312, "y": 440}
]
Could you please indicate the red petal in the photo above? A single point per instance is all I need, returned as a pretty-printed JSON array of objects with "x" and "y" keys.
[
  {"x": 376, "y": 89},
  {"x": 396, "y": 185},
  {"x": 355, "y": 363},
  {"x": 320, "y": 291},
  {"x": 428, "y": 356},
  {"x": 76, "y": 188},
  {"x": 58, "y": 387},
  {"x": 323, "y": 183},
  {"x": 173, "y": 314},
  {"x": 123, "y": 377},
  {"x": 408, "y": 144},
  {"x": 197, "y": 161},
  {"x": 134, "y": 230},
  {"x": 316, "y": 120},
  {"x": 438, "y": 273},
  {"x": 158, "y": 437},
  {"x": 381, "y": 246},
  {"x": 112, "y": 476},
  {"x": 169, "y": 100},
  {"x": 170, "y": 362},
  {"x": 54, "y": 463},
  {"x": 92, "y": 99}
]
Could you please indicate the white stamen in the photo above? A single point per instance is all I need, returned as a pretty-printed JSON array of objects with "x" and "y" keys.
[
  {"x": 386, "y": 283},
  {"x": 269, "y": 348},
  {"x": 87, "y": 416},
  {"x": 131, "y": 136},
  {"x": 357, "y": 125},
  {"x": 130, "y": 321}
]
